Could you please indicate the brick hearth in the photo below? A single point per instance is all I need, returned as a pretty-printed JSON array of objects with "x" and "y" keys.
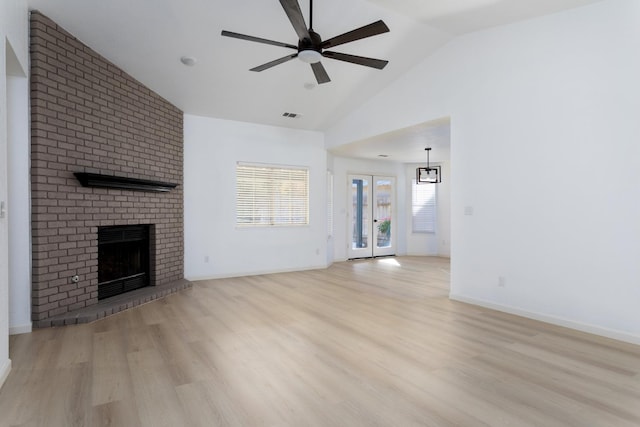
[{"x": 87, "y": 115}]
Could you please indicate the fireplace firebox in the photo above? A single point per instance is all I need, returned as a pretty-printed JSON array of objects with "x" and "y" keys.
[{"x": 123, "y": 259}]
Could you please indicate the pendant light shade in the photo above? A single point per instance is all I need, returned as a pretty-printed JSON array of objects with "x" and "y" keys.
[{"x": 430, "y": 174}]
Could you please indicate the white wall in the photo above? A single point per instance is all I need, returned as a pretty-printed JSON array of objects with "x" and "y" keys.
[
  {"x": 544, "y": 144},
  {"x": 19, "y": 205},
  {"x": 212, "y": 149},
  {"x": 444, "y": 211},
  {"x": 342, "y": 167},
  {"x": 430, "y": 244},
  {"x": 13, "y": 60},
  {"x": 331, "y": 239}
]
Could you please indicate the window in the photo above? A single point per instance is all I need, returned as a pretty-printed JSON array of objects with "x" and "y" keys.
[
  {"x": 423, "y": 207},
  {"x": 271, "y": 195}
]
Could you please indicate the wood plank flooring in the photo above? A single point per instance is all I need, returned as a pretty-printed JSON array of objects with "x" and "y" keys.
[{"x": 363, "y": 343}]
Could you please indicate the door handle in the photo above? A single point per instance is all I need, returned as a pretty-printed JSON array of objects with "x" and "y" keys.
[{"x": 375, "y": 220}]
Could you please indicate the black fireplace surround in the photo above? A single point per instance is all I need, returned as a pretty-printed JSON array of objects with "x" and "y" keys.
[{"x": 123, "y": 259}]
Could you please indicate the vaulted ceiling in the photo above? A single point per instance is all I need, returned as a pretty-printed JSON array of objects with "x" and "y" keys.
[{"x": 147, "y": 38}]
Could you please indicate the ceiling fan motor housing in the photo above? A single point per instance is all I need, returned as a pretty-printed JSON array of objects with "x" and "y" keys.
[
  {"x": 314, "y": 43},
  {"x": 309, "y": 49}
]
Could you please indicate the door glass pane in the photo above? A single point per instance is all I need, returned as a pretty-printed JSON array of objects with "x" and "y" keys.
[
  {"x": 360, "y": 220},
  {"x": 383, "y": 213}
]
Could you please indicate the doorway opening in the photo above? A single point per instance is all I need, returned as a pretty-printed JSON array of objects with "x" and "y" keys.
[{"x": 371, "y": 215}]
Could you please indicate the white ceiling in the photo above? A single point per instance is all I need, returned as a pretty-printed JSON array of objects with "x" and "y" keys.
[
  {"x": 403, "y": 145},
  {"x": 463, "y": 16},
  {"x": 146, "y": 38}
]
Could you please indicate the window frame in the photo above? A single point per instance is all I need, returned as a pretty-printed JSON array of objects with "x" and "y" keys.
[{"x": 275, "y": 208}]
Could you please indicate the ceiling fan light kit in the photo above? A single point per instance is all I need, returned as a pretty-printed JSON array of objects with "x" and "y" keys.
[
  {"x": 309, "y": 56},
  {"x": 310, "y": 48}
]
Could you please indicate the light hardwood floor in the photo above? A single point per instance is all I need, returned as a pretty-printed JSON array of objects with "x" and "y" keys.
[{"x": 363, "y": 343}]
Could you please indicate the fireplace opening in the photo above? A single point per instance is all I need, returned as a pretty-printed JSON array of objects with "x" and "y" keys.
[{"x": 123, "y": 259}]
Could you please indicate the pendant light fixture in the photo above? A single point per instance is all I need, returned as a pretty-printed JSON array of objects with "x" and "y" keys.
[{"x": 430, "y": 174}]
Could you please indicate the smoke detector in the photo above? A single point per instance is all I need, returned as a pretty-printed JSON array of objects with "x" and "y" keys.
[{"x": 189, "y": 61}]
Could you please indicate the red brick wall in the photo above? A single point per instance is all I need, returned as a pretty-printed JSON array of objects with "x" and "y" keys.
[{"x": 87, "y": 115}]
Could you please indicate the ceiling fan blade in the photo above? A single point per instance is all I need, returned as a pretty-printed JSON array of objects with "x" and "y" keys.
[
  {"x": 320, "y": 72},
  {"x": 360, "y": 60},
  {"x": 292, "y": 9},
  {"x": 372, "y": 29},
  {"x": 274, "y": 63},
  {"x": 257, "y": 39}
]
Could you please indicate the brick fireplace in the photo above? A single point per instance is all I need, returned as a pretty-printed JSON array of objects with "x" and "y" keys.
[{"x": 88, "y": 116}]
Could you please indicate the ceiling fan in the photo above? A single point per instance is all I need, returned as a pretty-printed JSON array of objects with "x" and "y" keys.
[{"x": 311, "y": 47}]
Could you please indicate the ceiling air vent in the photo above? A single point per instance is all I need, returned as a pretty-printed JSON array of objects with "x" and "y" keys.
[{"x": 292, "y": 115}]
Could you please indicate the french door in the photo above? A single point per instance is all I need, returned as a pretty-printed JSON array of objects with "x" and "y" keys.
[{"x": 371, "y": 208}]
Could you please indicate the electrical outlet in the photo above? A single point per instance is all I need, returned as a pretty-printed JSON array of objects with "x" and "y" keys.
[
  {"x": 502, "y": 282},
  {"x": 206, "y": 258}
]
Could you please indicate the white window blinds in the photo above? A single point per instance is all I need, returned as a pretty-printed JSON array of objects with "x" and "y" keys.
[
  {"x": 423, "y": 200},
  {"x": 271, "y": 195}
]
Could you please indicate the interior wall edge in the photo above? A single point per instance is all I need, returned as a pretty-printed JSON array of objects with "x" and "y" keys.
[
  {"x": 554, "y": 320},
  {"x": 4, "y": 371}
]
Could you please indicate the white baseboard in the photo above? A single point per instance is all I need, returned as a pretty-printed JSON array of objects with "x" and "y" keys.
[
  {"x": 253, "y": 273},
  {"x": 554, "y": 320},
  {"x": 4, "y": 371},
  {"x": 21, "y": 329}
]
